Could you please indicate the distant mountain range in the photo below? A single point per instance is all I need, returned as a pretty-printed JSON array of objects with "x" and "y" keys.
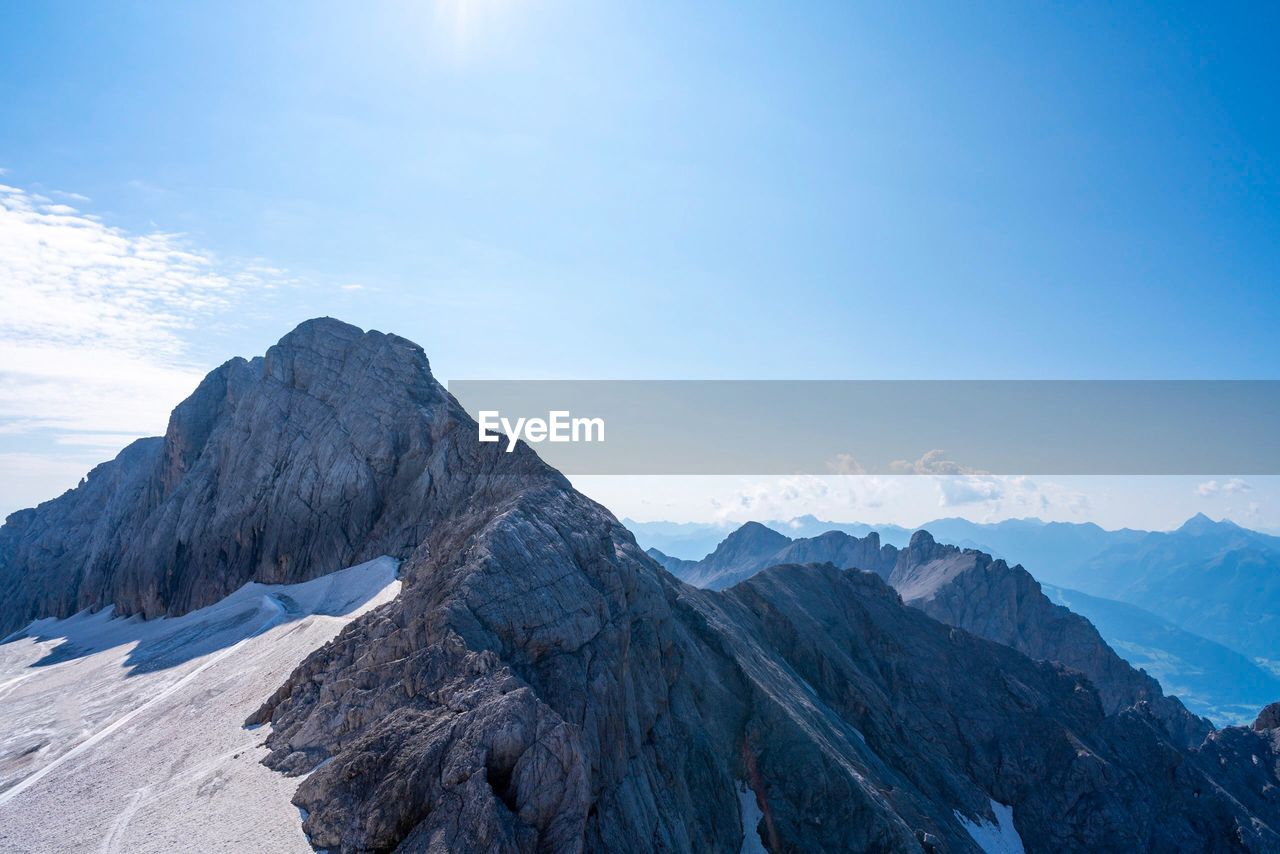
[
  {"x": 1215, "y": 579},
  {"x": 965, "y": 588},
  {"x": 1195, "y": 606},
  {"x": 1212, "y": 680},
  {"x": 1058, "y": 547},
  {"x": 754, "y": 546}
]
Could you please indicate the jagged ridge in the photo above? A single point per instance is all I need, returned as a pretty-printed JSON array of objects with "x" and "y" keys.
[{"x": 542, "y": 685}]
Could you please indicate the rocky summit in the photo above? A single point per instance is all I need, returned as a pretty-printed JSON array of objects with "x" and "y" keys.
[
  {"x": 969, "y": 589},
  {"x": 540, "y": 684},
  {"x": 321, "y": 454},
  {"x": 965, "y": 588}
]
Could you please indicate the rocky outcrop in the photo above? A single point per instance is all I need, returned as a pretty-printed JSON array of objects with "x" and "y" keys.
[
  {"x": 963, "y": 720},
  {"x": 674, "y": 565},
  {"x": 844, "y": 551},
  {"x": 1268, "y": 718},
  {"x": 747, "y": 550},
  {"x": 859, "y": 724},
  {"x": 1245, "y": 761},
  {"x": 968, "y": 589},
  {"x": 317, "y": 456},
  {"x": 540, "y": 684},
  {"x": 753, "y": 547},
  {"x": 531, "y": 689},
  {"x": 55, "y": 558},
  {"x": 964, "y": 588}
]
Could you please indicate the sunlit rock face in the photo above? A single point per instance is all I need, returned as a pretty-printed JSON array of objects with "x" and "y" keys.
[{"x": 314, "y": 457}]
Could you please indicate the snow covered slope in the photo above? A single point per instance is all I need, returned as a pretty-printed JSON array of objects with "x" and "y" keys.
[{"x": 128, "y": 735}]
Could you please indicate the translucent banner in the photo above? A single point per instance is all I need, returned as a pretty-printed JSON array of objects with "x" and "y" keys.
[{"x": 885, "y": 427}]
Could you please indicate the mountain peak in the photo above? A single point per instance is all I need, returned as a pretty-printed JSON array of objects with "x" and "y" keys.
[
  {"x": 325, "y": 336},
  {"x": 324, "y": 326},
  {"x": 1268, "y": 718},
  {"x": 756, "y": 530},
  {"x": 922, "y": 539},
  {"x": 331, "y": 432},
  {"x": 332, "y": 355},
  {"x": 1202, "y": 524},
  {"x": 752, "y": 536}
]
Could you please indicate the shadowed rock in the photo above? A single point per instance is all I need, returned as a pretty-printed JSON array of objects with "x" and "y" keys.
[
  {"x": 674, "y": 565},
  {"x": 968, "y": 589},
  {"x": 753, "y": 547}
]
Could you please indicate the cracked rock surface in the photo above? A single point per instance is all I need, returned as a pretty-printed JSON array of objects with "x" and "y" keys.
[
  {"x": 969, "y": 589},
  {"x": 542, "y": 685},
  {"x": 312, "y": 458}
]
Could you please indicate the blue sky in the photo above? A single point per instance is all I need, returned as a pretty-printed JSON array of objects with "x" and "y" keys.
[{"x": 645, "y": 190}]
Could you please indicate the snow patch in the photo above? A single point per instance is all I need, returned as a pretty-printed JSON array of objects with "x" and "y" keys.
[
  {"x": 751, "y": 818},
  {"x": 999, "y": 837},
  {"x": 123, "y": 734}
]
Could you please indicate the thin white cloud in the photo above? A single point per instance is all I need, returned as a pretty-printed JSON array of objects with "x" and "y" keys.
[
  {"x": 932, "y": 462},
  {"x": 1000, "y": 496},
  {"x": 958, "y": 485},
  {"x": 71, "y": 197},
  {"x": 1233, "y": 486},
  {"x": 94, "y": 332},
  {"x": 969, "y": 489},
  {"x": 112, "y": 441},
  {"x": 845, "y": 464},
  {"x": 797, "y": 495}
]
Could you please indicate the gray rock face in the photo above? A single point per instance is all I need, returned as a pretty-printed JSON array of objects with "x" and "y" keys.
[
  {"x": 531, "y": 689},
  {"x": 753, "y": 547},
  {"x": 747, "y": 550},
  {"x": 674, "y": 565},
  {"x": 932, "y": 716},
  {"x": 320, "y": 455},
  {"x": 859, "y": 723},
  {"x": 968, "y": 589},
  {"x": 54, "y": 558},
  {"x": 844, "y": 551},
  {"x": 964, "y": 588},
  {"x": 542, "y": 685},
  {"x": 1268, "y": 718},
  {"x": 1245, "y": 761}
]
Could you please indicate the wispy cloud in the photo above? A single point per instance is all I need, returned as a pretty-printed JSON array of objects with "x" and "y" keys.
[
  {"x": 71, "y": 197},
  {"x": 94, "y": 335},
  {"x": 958, "y": 485},
  {"x": 954, "y": 490},
  {"x": 1233, "y": 486},
  {"x": 785, "y": 497},
  {"x": 933, "y": 462}
]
